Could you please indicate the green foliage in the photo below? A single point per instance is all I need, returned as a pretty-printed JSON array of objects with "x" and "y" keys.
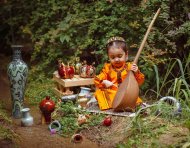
[
  {"x": 145, "y": 131},
  {"x": 3, "y": 115},
  {"x": 174, "y": 82},
  {"x": 69, "y": 29},
  {"x": 70, "y": 109},
  {"x": 38, "y": 87},
  {"x": 6, "y": 133},
  {"x": 70, "y": 126},
  {"x": 68, "y": 113},
  {"x": 96, "y": 120}
]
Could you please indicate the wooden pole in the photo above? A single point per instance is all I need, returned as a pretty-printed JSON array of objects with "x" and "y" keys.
[{"x": 145, "y": 37}]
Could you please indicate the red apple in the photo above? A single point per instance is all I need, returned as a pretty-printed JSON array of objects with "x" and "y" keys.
[{"x": 107, "y": 121}]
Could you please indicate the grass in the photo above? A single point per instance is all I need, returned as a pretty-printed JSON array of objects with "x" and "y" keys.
[
  {"x": 146, "y": 132},
  {"x": 68, "y": 113},
  {"x": 172, "y": 83},
  {"x": 140, "y": 131},
  {"x": 38, "y": 89},
  {"x": 6, "y": 133}
]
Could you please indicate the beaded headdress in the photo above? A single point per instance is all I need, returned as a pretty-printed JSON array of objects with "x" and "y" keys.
[{"x": 116, "y": 38}]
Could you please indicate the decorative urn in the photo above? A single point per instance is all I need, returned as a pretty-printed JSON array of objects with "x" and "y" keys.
[
  {"x": 77, "y": 66},
  {"x": 47, "y": 106},
  {"x": 17, "y": 73},
  {"x": 87, "y": 71},
  {"x": 65, "y": 71}
]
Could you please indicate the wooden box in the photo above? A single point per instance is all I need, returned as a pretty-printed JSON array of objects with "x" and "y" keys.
[{"x": 63, "y": 86}]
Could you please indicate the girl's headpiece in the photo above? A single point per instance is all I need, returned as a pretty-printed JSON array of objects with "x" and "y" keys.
[{"x": 116, "y": 38}]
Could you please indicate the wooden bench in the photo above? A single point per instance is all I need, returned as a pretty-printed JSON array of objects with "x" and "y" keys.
[{"x": 63, "y": 86}]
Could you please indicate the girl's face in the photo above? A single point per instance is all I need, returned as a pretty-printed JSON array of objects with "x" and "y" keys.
[{"x": 117, "y": 57}]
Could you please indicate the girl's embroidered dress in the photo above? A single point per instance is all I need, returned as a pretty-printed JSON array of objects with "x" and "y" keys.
[{"x": 105, "y": 95}]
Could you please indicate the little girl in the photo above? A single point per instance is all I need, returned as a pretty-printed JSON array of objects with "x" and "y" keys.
[{"x": 113, "y": 73}]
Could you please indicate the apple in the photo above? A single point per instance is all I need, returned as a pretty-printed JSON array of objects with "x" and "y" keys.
[{"x": 107, "y": 121}]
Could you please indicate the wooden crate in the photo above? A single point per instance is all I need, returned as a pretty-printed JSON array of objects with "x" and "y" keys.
[{"x": 64, "y": 86}]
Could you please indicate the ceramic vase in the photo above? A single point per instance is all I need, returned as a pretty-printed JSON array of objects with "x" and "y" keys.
[
  {"x": 85, "y": 91},
  {"x": 77, "y": 66},
  {"x": 47, "y": 106},
  {"x": 17, "y": 74},
  {"x": 27, "y": 119}
]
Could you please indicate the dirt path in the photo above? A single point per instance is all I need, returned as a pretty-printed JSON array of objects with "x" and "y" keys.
[{"x": 37, "y": 136}]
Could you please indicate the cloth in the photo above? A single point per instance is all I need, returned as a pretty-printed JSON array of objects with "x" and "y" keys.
[{"x": 106, "y": 95}]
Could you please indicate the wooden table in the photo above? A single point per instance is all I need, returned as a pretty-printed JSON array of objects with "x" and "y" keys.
[{"x": 63, "y": 86}]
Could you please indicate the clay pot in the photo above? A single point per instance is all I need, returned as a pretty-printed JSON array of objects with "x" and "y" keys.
[
  {"x": 54, "y": 126},
  {"x": 47, "y": 106},
  {"x": 77, "y": 138}
]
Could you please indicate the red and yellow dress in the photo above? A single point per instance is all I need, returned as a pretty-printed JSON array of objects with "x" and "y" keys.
[{"x": 104, "y": 95}]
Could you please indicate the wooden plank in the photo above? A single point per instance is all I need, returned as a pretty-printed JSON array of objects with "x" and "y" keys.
[
  {"x": 59, "y": 93},
  {"x": 76, "y": 81}
]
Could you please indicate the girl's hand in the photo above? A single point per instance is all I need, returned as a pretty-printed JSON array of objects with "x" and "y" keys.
[
  {"x": 134, "y": 67},
  {"x": 107, "y": 83}
]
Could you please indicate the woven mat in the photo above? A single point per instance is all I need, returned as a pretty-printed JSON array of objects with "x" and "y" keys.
[{"x": 95, "y": 109}]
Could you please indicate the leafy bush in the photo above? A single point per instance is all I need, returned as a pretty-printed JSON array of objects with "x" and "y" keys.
[{"x": 70, "y": 29}]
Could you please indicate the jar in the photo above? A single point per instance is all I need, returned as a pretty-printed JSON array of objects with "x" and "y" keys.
[
  {"x": 47, "y": 106},
  {"x": 17, "y": 71},
  {"x": 27, "y": 119},
  {"x": 85, "y": 91}
]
